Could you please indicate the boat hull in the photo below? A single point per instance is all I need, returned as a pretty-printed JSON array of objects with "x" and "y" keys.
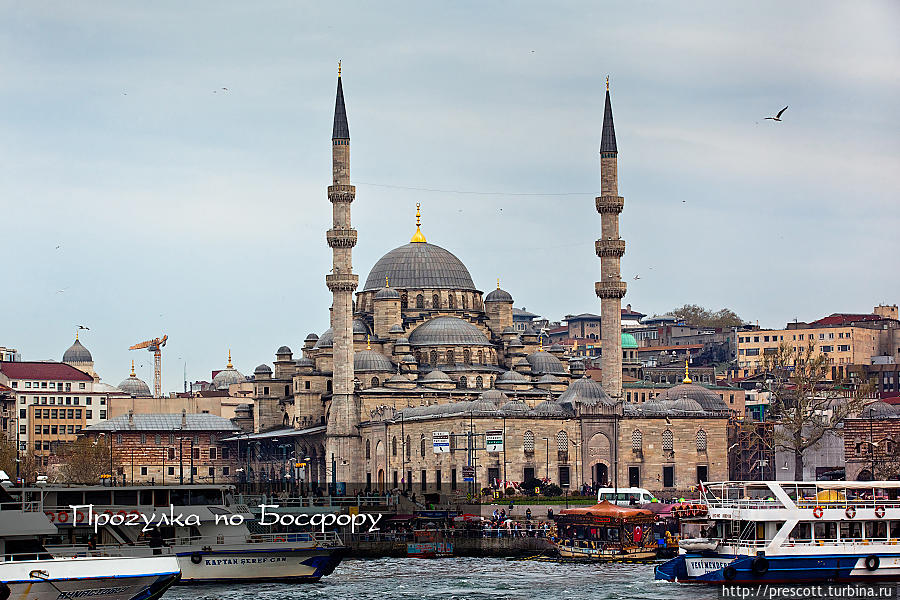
[
  {"x": 598, "y": 555},
  {"x": 258, "y": 565},
  {"x": 87, "y": 578},
  {"x": 750, "y": 570}
]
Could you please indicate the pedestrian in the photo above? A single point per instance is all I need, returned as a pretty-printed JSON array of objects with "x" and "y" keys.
[
  {"x": 550, "y": 512},
  {"x": 528, "y": 514}
]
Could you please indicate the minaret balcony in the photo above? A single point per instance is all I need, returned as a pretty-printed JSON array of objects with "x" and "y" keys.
[
  {"x": 341, "y": 193},
  {"x": 610, "y": 204},
  {"x": 610, "y": 248},
  {"x": 610, "y": 289},
  {"x": 341, "y": 238},
  {"x": 342, "y": 282}
]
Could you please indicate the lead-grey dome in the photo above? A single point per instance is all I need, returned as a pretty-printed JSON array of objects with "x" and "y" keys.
[
  {"x": 499, "y": 295},
  {"x": 494, "y": 395},
  {"x": 878, "y": 410},
  {"x": 304, "y": 362},
  {"x": 585, "y": 391},
  {"x": 327, "y": 339},
  {"x": 135, "y": 387},
  {"x": 283, "y": 350},
  {"x": 512, "y": 376},
  {"x": 447, "y": 331},
  {"x": 262, "y": 370},
  {"x": 687, "y": 405},
  {"x": 706, "y": 398},
  {"x": 226, "y": 377},
  {"x": 387, "y": 294},
  {"x": 419, "y": 265},
  {"x": 369, "y": 360},
  {"x": 548, "y": 408},
  {"x": 437, "y": 376},
  {"x": 77, "y": 354},
  {"x": 515, "y": 407},
  {"x": 311, "y": 337},
  {"x": 543, "y": 362},
  {"x": 359, "y": 326}
]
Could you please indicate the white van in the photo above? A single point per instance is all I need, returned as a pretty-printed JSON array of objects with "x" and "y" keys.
[{"x": 625, "y": 496}]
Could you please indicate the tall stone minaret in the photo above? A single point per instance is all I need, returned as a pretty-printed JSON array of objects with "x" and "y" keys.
[
  {"x": 610, "y": 249},
  {"x": 342, "y": 433}
]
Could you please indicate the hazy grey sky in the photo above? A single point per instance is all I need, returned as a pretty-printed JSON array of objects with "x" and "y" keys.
[{"x": 202, "y": 215}]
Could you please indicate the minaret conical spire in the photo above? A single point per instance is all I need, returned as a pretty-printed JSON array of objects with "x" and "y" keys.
[
  {"x": 341, "y": 130},
  {"x": 608, "y": 137}
]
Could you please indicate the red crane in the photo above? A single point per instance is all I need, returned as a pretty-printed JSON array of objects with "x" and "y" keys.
[{"x": 155, "y": 346}]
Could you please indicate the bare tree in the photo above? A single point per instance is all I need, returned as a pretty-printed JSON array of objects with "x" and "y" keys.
[
  {"x": 806, "y": 405},
  {"x": 28, "y": 464},
  {"x": 85, "y": 460},
  {"x": 700, "y": 316}
]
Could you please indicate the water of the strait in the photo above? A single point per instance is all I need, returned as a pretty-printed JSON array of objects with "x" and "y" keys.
[{"x": 462, "y": 579}]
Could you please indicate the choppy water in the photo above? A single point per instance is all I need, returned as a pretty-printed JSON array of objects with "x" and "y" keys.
[{"x": 463, "y": 579}]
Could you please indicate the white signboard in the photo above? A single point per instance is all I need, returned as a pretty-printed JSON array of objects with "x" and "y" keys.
[
  {"x": 493, "y": 440},
  {"x": 441, "y": 441},
  {"x": 702, "y": 566}
]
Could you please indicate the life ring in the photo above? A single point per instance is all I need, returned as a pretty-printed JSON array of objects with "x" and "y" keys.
[
  {"x": 879, "y": 512},
  {"x": 872, "y": 562},
  {"x": 4, "y": 590},
  {"x": 62, "y": 517},
  {"x": 760, "y": 565},
  {"x": 79, "y": 517},
  {"x": 729, "y": 572},
  {"x": 196, "y": 558},
  {"x": 279, "y": 539},
  {"x": 818, "y": 512},
  {"x": 50, "y": 515}
]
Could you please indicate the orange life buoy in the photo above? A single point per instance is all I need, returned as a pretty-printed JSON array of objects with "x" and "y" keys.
[
  {"x": 51, "y": 515},
  {"x": 879, "y": 512},
  {"x": 279, "y": 539},
  {"x": 818, "y": 512},
  {"x": 62, "y": 517},
  {"x": 850, "y": 512}
]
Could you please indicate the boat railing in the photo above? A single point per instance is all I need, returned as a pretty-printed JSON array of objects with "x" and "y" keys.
[
  {"x": 770, "y": 503},
  {"x": 319, "y": 538},
  {"x": 254, "y": 501},
  {"x": 33, "y": 506},
  {"x": 752, "y": 545}
]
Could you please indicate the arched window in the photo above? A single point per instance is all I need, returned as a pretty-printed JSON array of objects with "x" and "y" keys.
[
  {"x": 463, "y": 382},
  {"x": 394, "y": 446},
  {"x": 328, "y": 385},
  {"x": 375, "y": 382},
  {"x": 562, "y": 442},
  {"x": 422, "y": 446},
  {"x": 434, "y": 361},
  {"x": 637, "y": 441},
  {"x": 479, "y": 382},
  {"x": 435, "y": 301},
  {"x": 467, "y": 356},
  {"x": 701, "y": 441},
  {"x": 528, "y": 441},
  {"x": 404, "y": 302},
  {"x": 287, "y": 390},
  {"x": 451, "y": 357},
  {"x": 668, "y": 441},
  {"x": 420, "y": 301},
  {"x": 481, "y": 357},
  {"x": 465, "y": 302},
  {"x": 451, "y": 302},
  {"x": 408, "y": 448},
  {"x": 368, "y": 450}
]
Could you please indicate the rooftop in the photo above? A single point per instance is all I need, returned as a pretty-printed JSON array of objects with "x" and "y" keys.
[
  {"x": 43, "y": 370},
  {"x": 165, "y": 422}
]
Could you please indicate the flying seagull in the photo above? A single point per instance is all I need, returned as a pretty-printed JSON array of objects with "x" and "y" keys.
[
  {"x": 778, "y": 116},
  {"x": 83, "y": 327}
]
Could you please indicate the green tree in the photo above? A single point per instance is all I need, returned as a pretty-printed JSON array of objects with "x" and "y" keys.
[
  {"x": 805, "y": 404},
  {"x": 699, "y": 316},
  {"x": 84, "y": 461}
]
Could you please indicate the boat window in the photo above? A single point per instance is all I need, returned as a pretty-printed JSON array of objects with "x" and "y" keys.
[
  {"x": 147, "y": 497},
  {"x": 851, "y": 530},
  {"x": 160, "y": 497},
  {"x": 69, "y": 498},
  {"x": 126, "y": 497},
  {"x": 178, "y": 497},
  {"x": 895, "y": 529},
  {"x": 826, "y": 530},
  {"x": 97, "y": 497},
  {"x": 876, "y": 529},
  {"x": 205, "y": 497},
  {"x": 802, "y": 532}
]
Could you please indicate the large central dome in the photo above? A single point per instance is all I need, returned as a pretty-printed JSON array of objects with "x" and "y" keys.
[{"x": 419, "y": 265}]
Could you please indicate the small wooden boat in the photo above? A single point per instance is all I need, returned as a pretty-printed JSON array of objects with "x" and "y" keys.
[{"x": 606, "y": 533}]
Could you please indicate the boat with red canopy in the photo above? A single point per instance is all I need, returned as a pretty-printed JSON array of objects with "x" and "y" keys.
[{"x": 606, "y": 532}]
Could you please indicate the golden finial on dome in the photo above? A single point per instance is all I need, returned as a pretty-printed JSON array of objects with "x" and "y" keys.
[
  {"x": 229, "y": 365},
  {"x": 386, "y": 282},
  {"x": 339, "y": 74},
  {"x": 417, "y": 236},
  {"x": 368, "y": 345},
  {"x": 498, "y": 283},
  {"x": 541, "y": 341},
  {"x": 607, "y": 77},
  {"x": 132, "y": 369},
  {"x": 687, "y": 378}
]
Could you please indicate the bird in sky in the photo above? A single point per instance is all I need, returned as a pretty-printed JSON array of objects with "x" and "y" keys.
[
  {"x": 83, "y": 327},
  {"x": 57, "y": 247},
  {"x": 778, "y": 116},
  {"x": 637, "y": 276}
]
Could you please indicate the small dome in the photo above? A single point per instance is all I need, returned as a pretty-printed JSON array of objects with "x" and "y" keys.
[
  {"x": 628, "y": 341},
  {"x": 482, "y": 406},
  {"x": 585, "y": 391},
  {"x": 77, "y": 354},
  {"x": 327, "y": 339},
  {"x": 512, "y": 377},
  {"x": 652, "y": 407},
  {"x": 878, "y": 410},
  {"x": 401, "y": 341},
  {"x": 437, "y": 376},
  {"x": 408, "y": 359},
  {"x": 544, "y": 362},
  {"x": 311, "y": 337},
  {"x": 516, "y": 342},
  {"x": 515, "y": 407},
  {"x": 687, "y": 405},
  {"x": 706, "y": 398},
  {"x": 226, "y": 377},
  {"x": 447, "y": 331},
  {"x": 283, "y": 350},
  {"x": 262, "y": 370},
  {"x": 359, "y": 326},
  {"x": 557, "y": 348},
  {"x": 496, "y": 396},
  {"x": 548, "y": 380},
  {"x": 305, "y": 362},
  {"x": 399, "y": 381},
  {"x": 387, "y": 293},
  {"x": 370, "y": 360},
  {"x": 549, "y": 408},
  {"x": 395, "y": 328},
  {"x": 498, "y": 295},
  {"x": 135, "y": 387}
]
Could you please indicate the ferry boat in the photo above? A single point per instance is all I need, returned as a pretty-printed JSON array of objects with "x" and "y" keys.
[
  {"x": 215, "y": 544},
  {"x": 605, "y": 532},
  {"x": 790, "y": 532},
  {"x": 29, "y": 570}
]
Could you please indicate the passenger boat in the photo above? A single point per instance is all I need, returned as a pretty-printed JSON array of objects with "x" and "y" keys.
[
  {"x": 790, "y": 532},
  {"x": 605, "y": 532},
  {"x": 29, "y": 571},
  {"x": 217, "y": 545}
]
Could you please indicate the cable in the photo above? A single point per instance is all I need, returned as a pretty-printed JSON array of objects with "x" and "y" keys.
[{"x": 419, "y": 189}]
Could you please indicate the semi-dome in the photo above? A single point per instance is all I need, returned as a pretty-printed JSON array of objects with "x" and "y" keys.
[
  {"x": 585, "y": 391},
  {"x": 652, "y": 407},
  {"x": 498, "y": 295},
  {"x": 359, "y": 326},
  {"x": 543, "y": 362},
  {"x": 447, "y": 331},
  {"x": 706, "y": 398},
  {"x": 628, "y": 342},
  {"x": 134, "y": 386},
  {"x": 422, "y": 266},
  {"x": 370, "y": 360},
  {"x": 77, "y": 353},
  {"x": 262, "y": 370},
  {"x": 387, "y": 293},
  {"x": 327, "y": 339}
]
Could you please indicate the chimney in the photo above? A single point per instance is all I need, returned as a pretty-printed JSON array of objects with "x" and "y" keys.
[
  {"x": 131, "y": 418},
  {"x": 183, "y": 418}
]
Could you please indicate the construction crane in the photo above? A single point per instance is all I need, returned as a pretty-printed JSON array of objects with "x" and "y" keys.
[{"x": 155, "y": 346}]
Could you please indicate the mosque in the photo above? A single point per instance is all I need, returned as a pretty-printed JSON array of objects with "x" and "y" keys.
[{"x": 422, "y": 382}]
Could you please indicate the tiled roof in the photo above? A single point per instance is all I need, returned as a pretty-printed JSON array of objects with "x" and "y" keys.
[
  {"x": 844, "y": 319},
  {"x": 43, "y": 370},
  {"x": 166, "y": 422}
]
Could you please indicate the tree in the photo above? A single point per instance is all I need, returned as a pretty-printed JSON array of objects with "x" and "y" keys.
[
  {"x": 28, "y": 465},
  {"x": 699, "y": 316},
  {"x": 807, "y": 407},
  {"x": 84, "y": 461}
]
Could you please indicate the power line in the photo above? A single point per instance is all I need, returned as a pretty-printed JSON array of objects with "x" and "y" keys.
[{"x": 472, "y": 192}]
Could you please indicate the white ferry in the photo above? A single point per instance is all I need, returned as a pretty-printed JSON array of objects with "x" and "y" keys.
[
  {"x": 28, "y": 570},
  {"x": 790, "y": 532},
  {"x": 208, "y": 551}
]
